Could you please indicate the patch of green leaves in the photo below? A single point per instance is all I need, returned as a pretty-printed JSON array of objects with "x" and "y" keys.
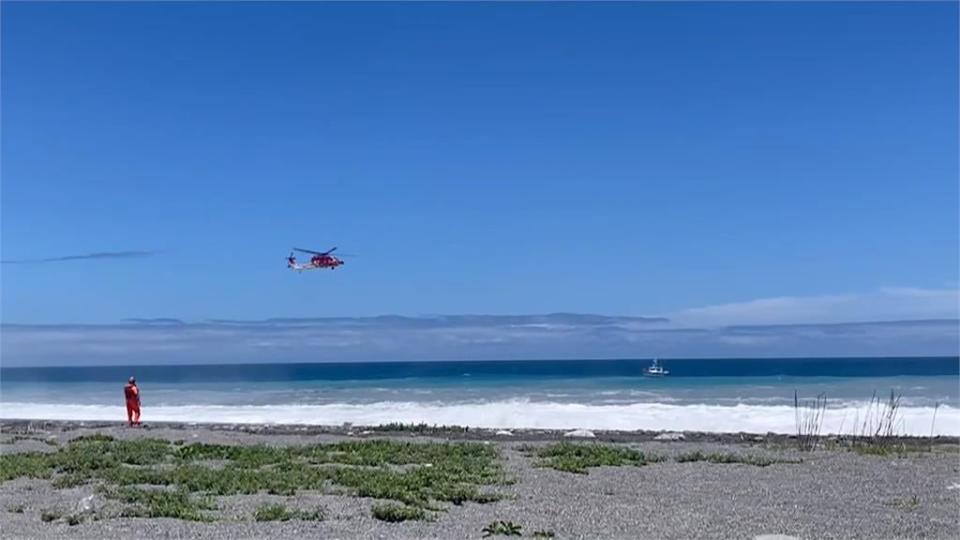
[
  {"x": 881, "y": 449},
  {"x": 49, "y": 515},
  {"x": 154, "y": 503},
  {"x": 28, "y": 464},
  {"x": 577, "y": 458},
  {"x": 502, "y": 528},
  {"x": 418, "y": 428},
  {"x": 746, "y": 459},
  {"x": 394, "y": 512},
  {"x": 415, "y": 474}
]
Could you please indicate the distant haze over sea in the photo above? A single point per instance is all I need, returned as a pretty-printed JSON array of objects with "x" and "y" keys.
[{"x": 460, "y": 337}]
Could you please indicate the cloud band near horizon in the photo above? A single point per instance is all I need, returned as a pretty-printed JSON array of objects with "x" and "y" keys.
[{"x": 458, "y": 338}]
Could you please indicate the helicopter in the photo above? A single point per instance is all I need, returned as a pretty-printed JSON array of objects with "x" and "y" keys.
[{"x": 318, "y": 260}]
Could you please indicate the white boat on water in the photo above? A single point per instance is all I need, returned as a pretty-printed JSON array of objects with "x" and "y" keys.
[{"x": 655, "y": 370}]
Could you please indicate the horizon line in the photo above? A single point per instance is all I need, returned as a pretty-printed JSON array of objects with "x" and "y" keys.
[{"x": 478, "y": 361}]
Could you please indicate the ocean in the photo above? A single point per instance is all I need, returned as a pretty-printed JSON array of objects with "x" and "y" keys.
[{"x": 722, "y": 395}]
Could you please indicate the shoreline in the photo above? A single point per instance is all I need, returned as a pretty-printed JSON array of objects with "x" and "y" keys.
[
  {"x": 846, "y": 420},
  {"x": 458, "y": 433}
]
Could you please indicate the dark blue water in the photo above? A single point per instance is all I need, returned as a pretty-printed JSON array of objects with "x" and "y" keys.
[
  {"x": 734, "y": 367},
  {"x": 725, "y": 395}
]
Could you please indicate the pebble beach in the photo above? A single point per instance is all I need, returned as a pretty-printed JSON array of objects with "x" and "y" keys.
[{"x": 831, "y": 492}]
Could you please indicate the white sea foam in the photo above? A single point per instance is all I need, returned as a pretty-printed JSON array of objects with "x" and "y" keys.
[{"x": 511, "y": 414}]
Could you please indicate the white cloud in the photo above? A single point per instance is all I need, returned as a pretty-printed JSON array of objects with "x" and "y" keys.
[
  {"x": 887, "y": 304},
  {"x": 785, "y": 326}
]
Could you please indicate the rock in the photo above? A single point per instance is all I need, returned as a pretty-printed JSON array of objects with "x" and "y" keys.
[
  {"x": 580, "y": 434},
  {"x": 669, "y": 437},
  {"x": 505, "y": 433},
  {"x": 953, "y": 486},
  {"x": 758, "y": 438},
  {"x": 86, "y": 505}
]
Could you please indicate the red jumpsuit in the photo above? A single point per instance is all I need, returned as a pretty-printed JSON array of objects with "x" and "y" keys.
[{"x": 132, "y": 394}]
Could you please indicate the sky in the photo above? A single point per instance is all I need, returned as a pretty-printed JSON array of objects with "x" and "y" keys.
[{"x": 714, "y": 165}]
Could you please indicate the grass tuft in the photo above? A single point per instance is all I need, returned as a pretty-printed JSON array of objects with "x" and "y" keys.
[
  {"x": 395, "y": 513},
  {"x": 502, "y": 528},
  {"x": 154, "y": 503},
  {"x": 49, "y": 515},
  {"x": 906, "y": 504},
  {"x": 577, "y": 458},
  {"x": 417, "y": 428},
  {"x": 757, "y": 461},
  {"x": 808, "y": 417},
  {"x": 273, "y": 512},
  {"x": 27, "y": 464}
]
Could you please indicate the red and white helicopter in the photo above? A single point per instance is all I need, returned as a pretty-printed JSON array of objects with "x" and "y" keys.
[{"x": 318, "y": 260}]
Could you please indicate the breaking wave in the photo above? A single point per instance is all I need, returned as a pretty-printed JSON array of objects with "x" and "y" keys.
[{"x": 515, "y": 413}]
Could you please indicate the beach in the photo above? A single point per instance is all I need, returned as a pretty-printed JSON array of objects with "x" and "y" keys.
[{"x": 613, "y": 484}]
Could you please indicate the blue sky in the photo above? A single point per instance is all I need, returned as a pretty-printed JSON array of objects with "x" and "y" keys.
[{"x": 720, "y": 164}]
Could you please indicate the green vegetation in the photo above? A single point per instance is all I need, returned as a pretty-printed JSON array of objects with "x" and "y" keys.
[
  {"x": 19, "y": 509},
  {"x": 906, "y": 504},
  {"x": 502, "y": 528},
  {"x": 67, "y": 481},
  {"x": 543, "y": 534},
  {"x": 808, "y": 416},
  {"x": 730, "y": 458},
  {"x": 16, "y": 438},
  {"x": 879, "y": 448},
  {"x": 155, "y": 503},
  {"x": 418, "y": 428},
  {"x": 156, "y": 478},
  {"x": 576, "y": 458},
  {"x": 273, "y": 512},
  {"x": 49, "y": 515},
  {"x": 878, "y": 433},
  {"x": 278, "y": 512},
  {"x": 394, "y": 513},
  {"x": 30, "y": 465}
]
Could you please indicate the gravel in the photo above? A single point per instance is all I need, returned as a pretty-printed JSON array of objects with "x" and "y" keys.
[{"x": 831, "y": 494}]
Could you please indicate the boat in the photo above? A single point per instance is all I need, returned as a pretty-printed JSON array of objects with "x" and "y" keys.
[{"x": 655, "y": 370}]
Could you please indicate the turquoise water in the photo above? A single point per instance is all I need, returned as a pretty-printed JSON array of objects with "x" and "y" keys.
[{"x": 725, "y": 395}]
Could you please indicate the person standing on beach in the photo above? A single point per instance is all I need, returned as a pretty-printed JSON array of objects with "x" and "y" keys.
[{"x": 132, "y": 394}]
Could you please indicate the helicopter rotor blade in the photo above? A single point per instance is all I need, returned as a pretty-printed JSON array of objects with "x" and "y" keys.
[{"x": 310, "y": 251}]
